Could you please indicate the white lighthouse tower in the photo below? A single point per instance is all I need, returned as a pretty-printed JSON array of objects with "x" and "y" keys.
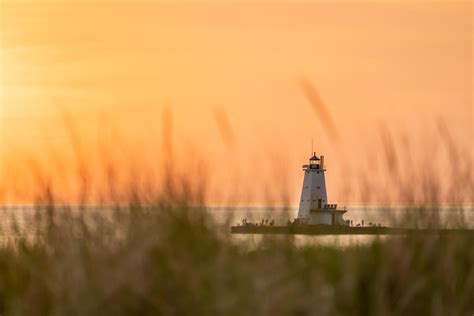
[{"x": 314, "y": 207}]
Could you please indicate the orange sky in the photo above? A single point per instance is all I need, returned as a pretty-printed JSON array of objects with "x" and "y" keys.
[{"x": 227, "y": 73}]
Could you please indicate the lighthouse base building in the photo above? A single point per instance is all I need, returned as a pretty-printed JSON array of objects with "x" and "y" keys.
[{"x": 314, "y": 208}]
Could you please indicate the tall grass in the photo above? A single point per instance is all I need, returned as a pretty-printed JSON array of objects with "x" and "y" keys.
[
  {"x": 160, "y": 252},
  {"x": 170, "y": 259}
]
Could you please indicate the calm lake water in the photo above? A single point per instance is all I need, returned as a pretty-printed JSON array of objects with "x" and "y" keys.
[{"x": 223, "y": 217}]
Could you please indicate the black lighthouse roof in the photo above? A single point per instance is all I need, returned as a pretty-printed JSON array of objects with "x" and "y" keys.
[{"x": 314, "y": 158}]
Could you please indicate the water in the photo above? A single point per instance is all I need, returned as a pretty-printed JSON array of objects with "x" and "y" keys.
[{"x": 24, "y": 218}]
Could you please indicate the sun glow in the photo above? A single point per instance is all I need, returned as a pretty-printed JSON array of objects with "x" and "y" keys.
[{"x": 234, "y": 69}]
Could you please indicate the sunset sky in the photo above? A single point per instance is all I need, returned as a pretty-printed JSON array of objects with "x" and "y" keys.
[{"x": 222, "y": 81}]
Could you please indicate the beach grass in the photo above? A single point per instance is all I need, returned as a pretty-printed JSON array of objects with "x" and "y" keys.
[
  {"x": 170, "y": 259},
  {"x": 165, "y": 254}
]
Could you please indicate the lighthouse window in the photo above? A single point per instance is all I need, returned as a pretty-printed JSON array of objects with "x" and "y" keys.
[
  {"x": 317, "y": 172},
  {"x": 318, "y": 188},
  {"x": 306, "y": 187}
]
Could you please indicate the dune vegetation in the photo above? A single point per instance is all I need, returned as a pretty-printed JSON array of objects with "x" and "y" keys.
[
  {"x": 165, "y": 254},
  {"x": 170, "y": 259}
]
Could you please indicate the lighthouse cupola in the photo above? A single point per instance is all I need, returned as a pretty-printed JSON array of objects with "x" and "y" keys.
[{"x": 315, "y": 162}]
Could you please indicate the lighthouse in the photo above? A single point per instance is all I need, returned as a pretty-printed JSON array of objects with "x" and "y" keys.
[{"x": 314, "y": 208}]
